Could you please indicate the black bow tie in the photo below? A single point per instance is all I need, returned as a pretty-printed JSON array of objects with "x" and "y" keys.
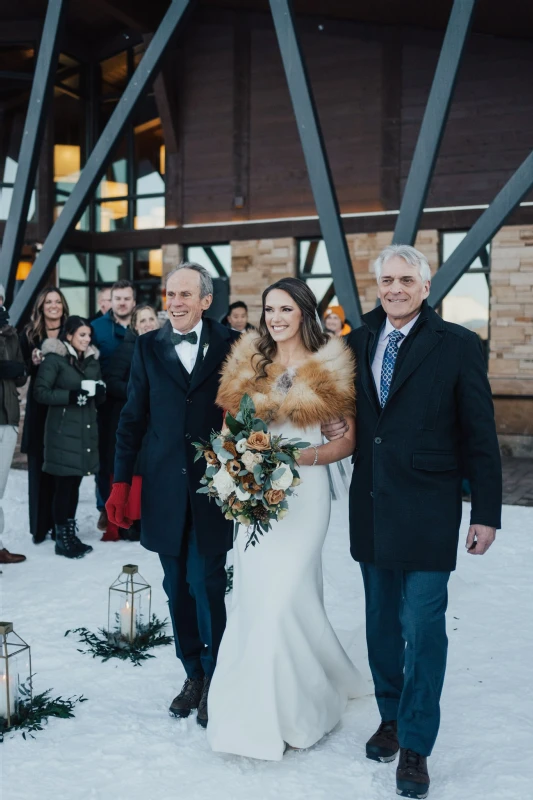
[{"x": 178, "y": 338}]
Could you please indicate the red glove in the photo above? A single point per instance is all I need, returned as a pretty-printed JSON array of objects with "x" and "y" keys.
[{"x": 116, "y": 505}]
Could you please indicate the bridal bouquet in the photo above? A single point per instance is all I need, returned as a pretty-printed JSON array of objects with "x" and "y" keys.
[{"x": 250, "y": 473}]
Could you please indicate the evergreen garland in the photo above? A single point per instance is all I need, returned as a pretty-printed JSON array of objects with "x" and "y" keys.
[
  {"x": 33, "y": 713},
  {"x": 108, "y": 645}
]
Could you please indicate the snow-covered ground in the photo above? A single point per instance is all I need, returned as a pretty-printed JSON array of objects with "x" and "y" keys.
[{"x": 122, "y": 745}]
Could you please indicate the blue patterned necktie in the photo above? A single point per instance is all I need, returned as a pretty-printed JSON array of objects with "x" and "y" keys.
[{"x": 387, "y": 368}]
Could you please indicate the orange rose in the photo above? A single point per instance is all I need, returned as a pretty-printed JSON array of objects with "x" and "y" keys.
[
  {"x": 211, "y": 458},
  {"x": 259, "y": 441},
  {"x": 230, "y": 447},
  {"x": 236, "y": 504},
  {"x": 274, "y": 496},
  {"x": 248, "y": 483},
  {"x": 233, "y": 467}
]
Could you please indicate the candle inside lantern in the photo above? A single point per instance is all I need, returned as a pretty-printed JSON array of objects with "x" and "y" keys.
[
  {"x": 4, "y": 685},
  {"x": 128, "y": 628}
]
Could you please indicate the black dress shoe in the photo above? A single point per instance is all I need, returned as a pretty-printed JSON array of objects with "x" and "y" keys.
[
  {"x": 412, "y": 778},
  {"x": 383, "y": 745},
  {"x": 201, "y": 718},
  {"x": 188, "y": 699}
]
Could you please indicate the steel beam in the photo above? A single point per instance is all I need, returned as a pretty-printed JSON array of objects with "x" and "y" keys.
[
  {"x": 40, "y": 98},
  {"x": 97, "y": 161},
  {"x": 482, "y": 231},
  {"x": 316, "y": 159},
  {"x": 433, "y": 122}
]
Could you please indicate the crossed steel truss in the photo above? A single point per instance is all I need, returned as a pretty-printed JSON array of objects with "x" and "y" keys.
[{"x": 416, "y": 189}]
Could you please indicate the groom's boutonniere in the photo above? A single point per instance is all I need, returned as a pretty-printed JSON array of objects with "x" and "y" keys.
[{"x": 205, "y": 349}]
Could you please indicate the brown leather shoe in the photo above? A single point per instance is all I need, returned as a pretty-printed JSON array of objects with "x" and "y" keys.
[
  {"x": 201, "y": 717},
  {"x": 383, "y": 745},
  {"x": 10, "y": 558},
  {"x": 188, "y": 699},
  {"x": 102, "y": 520},
  {"x": 412, "y": 778}
]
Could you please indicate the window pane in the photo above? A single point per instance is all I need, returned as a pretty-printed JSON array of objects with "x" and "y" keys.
[
  {"x": 449, "y": 243},
  {"x": 112, "y": 216},
  {"x": 149, "y": 155},
  {"x": 73, "y": 267},
  {"x": 320, "y": 288},
  {"x": 313, "y": 258},
  {"x": 221, "y": 251},
  {"x": 468, "y": 304},
  {"x": 149, "y": 213},
  {"x": 78, "y": 299},
  {"x": 111, "y": 267},
  {"x": 114, "y": 74},
  {"x": 147, "y": 271}
]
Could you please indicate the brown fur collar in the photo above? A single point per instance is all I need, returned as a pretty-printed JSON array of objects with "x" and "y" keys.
[{"x": 323, "y": 388}]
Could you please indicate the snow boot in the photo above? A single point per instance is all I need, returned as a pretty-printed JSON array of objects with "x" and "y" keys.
[
  {"x": 201, "y": 717},
  {"x": 188, "y": 699},
  {"x": 67, "y": 542},
  {"x": 412, "y": 778},
  {"x": 383, "y": 745}
]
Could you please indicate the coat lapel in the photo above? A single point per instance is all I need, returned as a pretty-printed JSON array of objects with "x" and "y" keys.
[
  {"x": 166, "y": 352},
  {"x": 217, "y": 337},
  {"x": 426, "y": 335}
]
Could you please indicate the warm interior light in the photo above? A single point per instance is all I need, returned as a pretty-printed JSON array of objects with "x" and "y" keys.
[
  {"x": 155, "y": 263},
  {"x": 162, "y": 156},
  {"x": 23, "y": 270},
  {"x": 114, "y": 209},
  {"x": 67, "y": 163}
]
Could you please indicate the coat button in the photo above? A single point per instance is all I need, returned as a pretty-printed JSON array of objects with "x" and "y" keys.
[
  {"x": 88, "y": 449},
  {"x": 377, "y": 440},
  {"x": 189, "y": 401},
  {"x": 88, "y": 426},
  {"x": 371, "y": 494},
  {"x": 184, "y": 471}
]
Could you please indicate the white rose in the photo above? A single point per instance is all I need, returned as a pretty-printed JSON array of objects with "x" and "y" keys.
[
  {"x": 241, "y": 446},
  {"x": 224, "y": 484},
  {"x": 282, "y": 513},
  {"x": 284, "y": 480},
  {"x": 241, "y": 494},
  {"x": 248, "y": 460}
]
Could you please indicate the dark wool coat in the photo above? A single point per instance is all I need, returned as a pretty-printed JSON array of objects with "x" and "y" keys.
[
  {"x": 174, "y": 410},
  {"x": 117, "y": 378},
  {"x": 71, "y": 432},
  {"x": 437, "y": 426},
  {"x": 12, "y": 375}
]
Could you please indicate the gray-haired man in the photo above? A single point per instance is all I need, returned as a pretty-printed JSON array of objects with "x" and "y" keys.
[
  {"x": 171, "y": 401},
  {"x": 424, "y": 421}
]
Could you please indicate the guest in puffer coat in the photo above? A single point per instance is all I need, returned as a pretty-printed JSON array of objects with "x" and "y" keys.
[{"x": 69, "y": 382}]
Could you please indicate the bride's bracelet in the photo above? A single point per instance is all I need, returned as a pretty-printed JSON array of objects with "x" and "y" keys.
[{"x": 315, "y": 447}]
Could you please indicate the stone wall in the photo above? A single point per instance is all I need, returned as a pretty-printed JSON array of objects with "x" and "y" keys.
[
  {"x": 257, "y": 263},
  {"x": 511, "y": 337}
]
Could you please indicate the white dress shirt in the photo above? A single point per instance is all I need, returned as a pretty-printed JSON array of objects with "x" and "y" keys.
[
  {"x": 381, "y": 346},
  {"x": 187, "y": 352}
]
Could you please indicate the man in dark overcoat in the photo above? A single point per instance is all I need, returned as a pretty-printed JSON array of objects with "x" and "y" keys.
[
  {"x": 424, "y": 420},
  {"x": 171, "y": 399}
]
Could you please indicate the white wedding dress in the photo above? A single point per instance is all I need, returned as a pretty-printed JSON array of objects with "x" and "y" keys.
[{"x": 282, "y": 676}]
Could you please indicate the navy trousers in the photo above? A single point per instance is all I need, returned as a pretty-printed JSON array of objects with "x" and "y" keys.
[
  {"x": 195, "y": 586},
  {"x": 407, "y": 648}
]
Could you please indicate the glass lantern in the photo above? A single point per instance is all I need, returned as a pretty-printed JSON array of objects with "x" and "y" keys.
[
  {"x": 129, "y": 604},
  {"x": 15, "y": 673}
]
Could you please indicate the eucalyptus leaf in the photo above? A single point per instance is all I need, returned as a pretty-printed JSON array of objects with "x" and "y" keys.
[{"x": 203, "y": 490}]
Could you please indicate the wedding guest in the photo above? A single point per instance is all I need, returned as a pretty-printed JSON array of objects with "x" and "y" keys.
[
  {"x": 171, "y": 400},
  {"x": 143, "y": 319},
  {"x": 237, "y": 317},
  {"x": 424, "y": 411},
  {"x": 12, "y": 376},
  {"x": 335, "y": 321},
  {"x": 49, "y": 314},
  {"x": 69, "y": 383},
  {"x": 103, "y": 301},
  {"x": 109, "y": 331}
]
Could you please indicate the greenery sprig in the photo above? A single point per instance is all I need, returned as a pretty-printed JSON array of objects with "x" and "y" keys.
[
  {"x": 32, "y": 714},
  {"x": 106, "y": 644}
]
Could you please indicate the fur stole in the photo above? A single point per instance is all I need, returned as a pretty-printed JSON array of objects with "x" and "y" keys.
[{"x": 319, "y": 390}]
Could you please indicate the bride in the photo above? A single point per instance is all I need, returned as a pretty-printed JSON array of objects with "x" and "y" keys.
[{"x": 282, "y": 677}]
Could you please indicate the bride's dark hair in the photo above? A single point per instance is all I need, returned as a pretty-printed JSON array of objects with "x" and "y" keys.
[{"x": 311, "y": 331}]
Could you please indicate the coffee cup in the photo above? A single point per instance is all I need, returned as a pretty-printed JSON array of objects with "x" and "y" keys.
[{"x": 90, "y": 387}]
